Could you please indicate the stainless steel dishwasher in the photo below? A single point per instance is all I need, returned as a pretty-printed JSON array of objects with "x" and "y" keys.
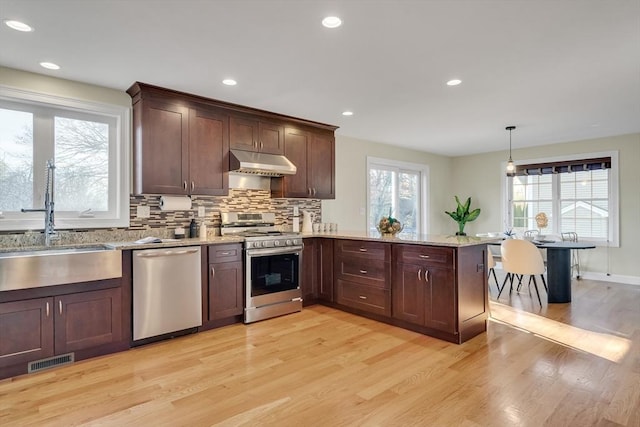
[{"x": 167, "y": 291}]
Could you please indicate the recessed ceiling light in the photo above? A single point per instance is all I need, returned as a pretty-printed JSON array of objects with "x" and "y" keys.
[
  {"x": 454, "y": 82},
  {"x": 332, "y": 22},
  {"x": 50, "y": 65},
  {"x": 229, "y": 82},
  {"x": 347, "y": 113},
  {"x": 17, "y": 25}
]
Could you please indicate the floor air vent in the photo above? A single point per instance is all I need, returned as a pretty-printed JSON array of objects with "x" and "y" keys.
[{"x": 50, "y": 362}]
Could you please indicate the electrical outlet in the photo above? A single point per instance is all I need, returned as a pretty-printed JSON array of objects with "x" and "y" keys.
[
  {"x": 295, "y": 211},
  {"x": 201, "y": 212},
  {"x": 143, "y": 212}
]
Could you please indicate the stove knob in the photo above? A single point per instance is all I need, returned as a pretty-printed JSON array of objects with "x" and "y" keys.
[
  {"x": 288, "y": 242},
  {"x": 276, "y": 242},
  {"x": 248, "y": 245},
  {"x": 296, "y": 242},
  {"x": 264, "y": 244}
]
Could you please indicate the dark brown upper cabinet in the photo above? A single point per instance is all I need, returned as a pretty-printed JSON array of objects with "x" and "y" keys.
[
  {"x": 313, "y": 153},
  {"x": 251, "y": 134},
  {"x": 179, "y": 147}
]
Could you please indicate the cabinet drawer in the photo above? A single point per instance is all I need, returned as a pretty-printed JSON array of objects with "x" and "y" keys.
[
  {"x": 362, "y": 249},
  {"x": 373, "y": 300},
  {"x": 368, "y": 272},
  {"x": 427, "y": 255},
  {"x": 225, "y": 253}
]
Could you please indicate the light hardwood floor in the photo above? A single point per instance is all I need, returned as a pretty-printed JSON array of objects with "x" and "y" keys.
[{"x": 323, "y": 367}]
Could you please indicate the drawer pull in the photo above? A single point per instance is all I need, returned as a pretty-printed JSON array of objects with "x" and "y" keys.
[
  {"x": 362, "y": 297},
  {"x": 225, "y": 253},
  {"x": 423, "y": 256},
  {"x": 363, "y": 250},
  {"x": 363, "y": 271}
]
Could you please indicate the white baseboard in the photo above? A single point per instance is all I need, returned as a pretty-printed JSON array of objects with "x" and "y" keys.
[
  {"x": 616, "y": 278},
  {"x": 603, "y": 277}
]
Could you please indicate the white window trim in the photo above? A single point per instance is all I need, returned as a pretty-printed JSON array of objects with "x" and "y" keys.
[
  {"x": 424, "y": 184},
  {"x": 614, "y": 190},
  {"x": 122, "y": 117}
]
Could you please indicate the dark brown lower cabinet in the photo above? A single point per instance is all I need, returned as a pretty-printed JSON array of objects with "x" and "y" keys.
[
  {"x": 26, "y": 331},
  {"x": 317, "y": 271},
  {"x": 425, "y": 296},
  {"x": 90, "y": 323},
  {"x": 325, "y": 270},
  {"x": 225, "y": 290},
  {"x": 223, "y": 285}
]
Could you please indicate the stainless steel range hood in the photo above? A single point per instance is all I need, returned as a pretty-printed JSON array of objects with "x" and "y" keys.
[{"x": 262, "y": 164}]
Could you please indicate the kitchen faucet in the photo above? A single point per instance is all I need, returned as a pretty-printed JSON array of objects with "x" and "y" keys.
[{"x": 49, "y": 230}]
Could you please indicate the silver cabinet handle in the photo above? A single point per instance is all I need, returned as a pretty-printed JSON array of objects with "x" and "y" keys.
[
  {"x": 426, "y": 275},
  {"x": 60, "y": 305},
  {"x": 261, "y": 145},
  {"x": 47, "y": 309},
  {"x": 213, "y": 272},
  {"x": 363, "y": 271},
  {"x": 309, "y": 190},
  {"x": 225, "y": 253},
  {"x": 184, "y": 185},
  {"x": 193, "y": 185},
  {"x": 419, "y": 275},
  {"x": 363, "y": 250},
  {"x": 314, "y": 191},
  {"x": 424, "y": 256},
  {"x": 362, "y": 297}
]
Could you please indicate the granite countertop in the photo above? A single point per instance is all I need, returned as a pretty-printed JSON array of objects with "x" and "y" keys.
[
  {"x": 416, "y": 239},
  {"x": 124, "y": 245}
]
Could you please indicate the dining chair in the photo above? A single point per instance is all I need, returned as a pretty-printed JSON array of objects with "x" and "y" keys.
[
  {"x": 491, "y": 263},
  {"x": 575, "y": 255},
  {"x": 520, "y": 258}
]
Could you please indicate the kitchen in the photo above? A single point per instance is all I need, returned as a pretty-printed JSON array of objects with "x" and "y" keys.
[{"x": 349, "y": 176}]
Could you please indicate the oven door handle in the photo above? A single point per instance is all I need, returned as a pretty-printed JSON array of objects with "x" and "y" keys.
[{"x": 274, "y": 251}]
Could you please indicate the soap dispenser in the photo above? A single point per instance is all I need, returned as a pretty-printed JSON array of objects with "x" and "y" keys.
[{"x": 193, "y": 228}]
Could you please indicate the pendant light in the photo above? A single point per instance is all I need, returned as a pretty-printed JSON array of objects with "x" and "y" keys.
[{"x": 511, "y": 168}]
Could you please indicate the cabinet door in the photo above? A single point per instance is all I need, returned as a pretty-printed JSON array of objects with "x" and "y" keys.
[
  {"x": 271, "y": 138},
  {"x": 161, "y": 162},
  {"x": 243, "y": 133},
  {"x": 295, "y": 149},
  {"x": 321, "y": 173},
  {"x": 440, "y": 299},
  {"x": 208, "y": 152},
  {"x": 87, "y": 319},
  {"x": 225, "y": 290},
  {"x": 325, "y": 269},
  {"x": 407, "y": 293},
  {"x": 309, "y": 285},
  {"x": 26, "y": 331}
]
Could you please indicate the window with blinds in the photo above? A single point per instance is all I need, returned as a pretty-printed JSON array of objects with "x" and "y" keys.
[{"x": 576, "y": 194}]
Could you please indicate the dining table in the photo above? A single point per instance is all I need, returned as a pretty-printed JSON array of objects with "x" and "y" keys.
[{"x": 559, "y": 267}]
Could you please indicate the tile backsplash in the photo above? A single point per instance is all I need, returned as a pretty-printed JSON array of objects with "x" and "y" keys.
[{"x": 162, "y": 223}]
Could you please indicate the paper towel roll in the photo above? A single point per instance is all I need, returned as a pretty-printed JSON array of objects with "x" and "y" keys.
[{"x": 175, "y": 203}]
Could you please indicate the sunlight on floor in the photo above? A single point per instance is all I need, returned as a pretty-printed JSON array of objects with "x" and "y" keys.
[{"x": 603, "y": 345}]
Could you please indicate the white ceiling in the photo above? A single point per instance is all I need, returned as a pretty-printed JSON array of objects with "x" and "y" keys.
[{"x": 558, "y": 70}]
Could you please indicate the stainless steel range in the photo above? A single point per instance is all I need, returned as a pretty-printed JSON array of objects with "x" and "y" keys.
[{"x": 272, "y": 264}]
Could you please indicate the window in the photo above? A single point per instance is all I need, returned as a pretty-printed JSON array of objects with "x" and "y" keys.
[
  {"x": 89, "y": 146},
  {"x": 399, "y": 188},
  {"x": 576, "y": 195}
]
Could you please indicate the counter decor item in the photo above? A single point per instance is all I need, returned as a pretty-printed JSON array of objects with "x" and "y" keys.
[
  {"x": 389, "y": 226},
  {"x": 541, "y": 221},
  {"x": 462, "y": 215}
]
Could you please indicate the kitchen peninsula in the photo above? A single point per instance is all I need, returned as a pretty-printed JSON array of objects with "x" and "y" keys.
[{"x": 432, "y": 284}]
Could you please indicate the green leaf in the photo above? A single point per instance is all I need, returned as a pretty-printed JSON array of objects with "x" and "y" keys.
[{"x": 473, "y": 215}]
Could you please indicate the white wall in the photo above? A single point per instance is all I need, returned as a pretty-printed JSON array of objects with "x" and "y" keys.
[
  {"x": 480, "y": 176},
  {"x": 60, "y": 87},
  {"x": 348, "y": 209}
]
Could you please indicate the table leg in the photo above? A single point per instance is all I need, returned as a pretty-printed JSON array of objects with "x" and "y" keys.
[{"x": 559, "y": 275}]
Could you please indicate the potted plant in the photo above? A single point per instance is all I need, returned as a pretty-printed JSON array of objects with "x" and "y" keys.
[{"x": 462, "y": 215}]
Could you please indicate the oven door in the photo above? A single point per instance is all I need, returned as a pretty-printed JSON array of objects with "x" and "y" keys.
[{"x": 272, "y": 275}]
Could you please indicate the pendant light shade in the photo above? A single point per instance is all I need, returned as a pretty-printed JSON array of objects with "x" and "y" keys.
[{"x": 511, "y": 168}]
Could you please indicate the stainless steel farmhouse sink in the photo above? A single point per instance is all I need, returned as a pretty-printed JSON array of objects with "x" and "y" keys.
[{"x": 58, "y": 266}]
